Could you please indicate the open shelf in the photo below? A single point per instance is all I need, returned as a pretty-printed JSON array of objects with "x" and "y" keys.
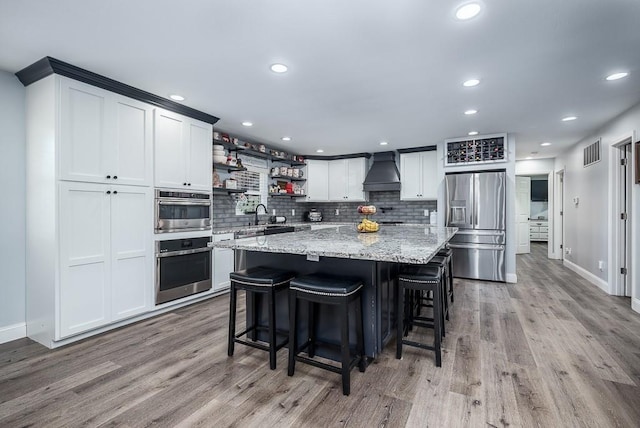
[
  {"x": 256, "y": 154},
  {"x": 286, "y": 195},
  {"x": 222, "y": 190},
  {"x": 229, "y": 168},
  {"x": 286, "y": 177}
]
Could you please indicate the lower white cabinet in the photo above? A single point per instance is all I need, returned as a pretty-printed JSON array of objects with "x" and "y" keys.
[
  {"x": 105, "y": 255},
  {"x": 538, "y": 230},
  {"x": 223, "y": 263}
]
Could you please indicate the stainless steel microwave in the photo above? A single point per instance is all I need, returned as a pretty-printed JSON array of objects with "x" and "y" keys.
[{"x": 182, "y": 211}]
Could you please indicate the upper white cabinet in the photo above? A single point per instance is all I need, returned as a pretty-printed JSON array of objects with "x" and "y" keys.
[
  {"x": 317, "y": 180},
  {"x": 105, "y": 255},
  {"x": 183, "y": 152},
  {"x": 345, "y": 179},
  {"x": 418, "y": 174},
  {"x": 104, "y": 137}
]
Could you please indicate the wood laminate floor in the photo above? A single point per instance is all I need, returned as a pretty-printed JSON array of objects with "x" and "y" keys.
[{"x": 550, "y": 351}]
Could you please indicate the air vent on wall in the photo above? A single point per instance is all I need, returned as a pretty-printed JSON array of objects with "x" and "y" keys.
[{"x": 591, "y": 154}]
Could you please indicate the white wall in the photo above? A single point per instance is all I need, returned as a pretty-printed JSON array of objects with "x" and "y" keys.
[
  {"x": 12, "y": 208},
  {"x": 587, "y": 230},
  {"x": 535, "y": 166}
]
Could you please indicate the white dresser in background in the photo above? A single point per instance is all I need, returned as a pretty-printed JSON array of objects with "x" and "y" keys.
[{"x": 539, "y": 230}]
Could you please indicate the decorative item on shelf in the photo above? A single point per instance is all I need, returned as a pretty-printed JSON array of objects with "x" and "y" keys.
[
  {"x": 295, "y": 172},
  {"x": 231, "y": 183},
  {"x": 262, "y": 148},
  {"x": 289, "y": 188},
  {"x": 283, "y": 171},
  {"x": 216, "y": 135},
  {"x": 219, "y": 155},
  {"x": 216, "y": 180},
  {"x": 239, "y": 163},
  {"x": 366, "y": 225},
  {"x": 225, "y": 138}
]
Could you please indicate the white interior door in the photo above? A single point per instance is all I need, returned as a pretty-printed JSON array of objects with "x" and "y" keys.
[{"x": 523, "y": 209}]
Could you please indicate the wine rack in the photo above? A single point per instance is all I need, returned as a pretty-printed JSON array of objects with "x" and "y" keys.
[{"x": 483, "y": 150}]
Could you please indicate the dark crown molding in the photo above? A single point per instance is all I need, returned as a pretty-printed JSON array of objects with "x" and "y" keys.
[
  {"x": 336, "y": 157},
  {"x": 418, "y": 149},
  {"x": 47, "y": 66}
]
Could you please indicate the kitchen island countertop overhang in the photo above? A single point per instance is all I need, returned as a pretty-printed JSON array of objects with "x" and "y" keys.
[{"x": 415, "y": 244}]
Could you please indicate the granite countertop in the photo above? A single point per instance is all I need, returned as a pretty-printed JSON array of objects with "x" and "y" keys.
[
  {"x": 393, "y": 243},
  {"x": 297, "y": 225}
]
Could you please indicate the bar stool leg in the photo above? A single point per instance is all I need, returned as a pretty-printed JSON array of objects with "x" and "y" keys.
[
  {"x": 311, "y": 350},
  {"x": 451, "y": 277},
  {"x": 437, "y": 324},
  {"x": 253, "y": 335},
  {"x": 293, "y": 341},
  {"x": 344, "y": 346},
  {"x": 362, "y": 364},
  {"x": 232, "y": 319},
  {"x": 272, "y": 329},
  {"x": 399, "y": 320}
]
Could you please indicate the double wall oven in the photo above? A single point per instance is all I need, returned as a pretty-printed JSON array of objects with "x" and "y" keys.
[{"x": 184, "y": 265}]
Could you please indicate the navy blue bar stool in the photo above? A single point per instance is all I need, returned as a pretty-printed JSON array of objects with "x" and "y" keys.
[
  {"x": 262, "y": 281},
  {"x": 448, "y": 253},
  {"x": 422, "y": 278},
  {"x": 327, "y": 290}
]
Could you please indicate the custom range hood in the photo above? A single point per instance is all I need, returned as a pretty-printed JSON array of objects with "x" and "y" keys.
[{"x": 383, "y": 175}]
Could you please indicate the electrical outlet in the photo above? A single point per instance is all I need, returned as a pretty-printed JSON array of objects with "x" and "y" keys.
[
  {"x": 567, "y": 251},
  {"x": 337, "y": 211},
  {"x": 426, "y": 213},
  {"x": 273, "y": 211},
  {"x": 293, "y": 212},
  {"x": 601, "y": 265}
]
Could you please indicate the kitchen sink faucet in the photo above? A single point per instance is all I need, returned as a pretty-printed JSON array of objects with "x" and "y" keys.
[{"x": 265, "y": 211}]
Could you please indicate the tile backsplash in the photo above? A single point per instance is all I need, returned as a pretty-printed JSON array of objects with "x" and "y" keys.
[{"x": 224, "y": 215}]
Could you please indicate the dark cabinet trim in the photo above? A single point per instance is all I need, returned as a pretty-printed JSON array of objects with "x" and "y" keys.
[
  {"x": 47, "y": 66},
  {"x": 336, "y": 157},
  {"x": 418, "y": 149}
]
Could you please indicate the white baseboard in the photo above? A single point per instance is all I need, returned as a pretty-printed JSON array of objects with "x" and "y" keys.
[
  {"x": 635, "y": 304},
  {"x": 13, "y": 332},
  {"x": 598, "y": 282},
  {"x": 512, "y": 278}
]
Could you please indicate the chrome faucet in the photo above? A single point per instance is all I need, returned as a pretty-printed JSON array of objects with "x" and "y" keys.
[{"x": 255, "y": 221}]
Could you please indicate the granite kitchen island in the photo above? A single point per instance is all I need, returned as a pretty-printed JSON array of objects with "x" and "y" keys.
[{"x": 342, "y": 250}]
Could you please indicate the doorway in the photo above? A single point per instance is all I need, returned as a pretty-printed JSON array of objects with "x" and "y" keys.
[{"x": 559, "y": 235}]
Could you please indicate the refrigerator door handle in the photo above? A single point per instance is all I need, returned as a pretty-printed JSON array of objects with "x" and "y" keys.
[
  {"x": 476, "y": 192},
  {"x": 480, "y": 232},
  {"x": 478, "y": 247}
]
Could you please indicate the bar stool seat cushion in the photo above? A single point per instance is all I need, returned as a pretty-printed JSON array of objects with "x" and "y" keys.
[
  {"x": 262, "y": 276},
  {"x": 445, "y": 252},
  {"x": 420, "y": 273},
  {"x": 325, "y": 285}
]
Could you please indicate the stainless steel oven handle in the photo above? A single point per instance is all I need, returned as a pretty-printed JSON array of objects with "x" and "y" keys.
[
  {"x": 477, "y": 246},
  {"x": 183, "y": 252},
  {"x": 183, "y": 202}
]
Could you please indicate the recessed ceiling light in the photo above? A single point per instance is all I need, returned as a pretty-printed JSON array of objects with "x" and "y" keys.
[
  {"x": 467, "y": 11},
  {"x": 471, "y": 82},
  {"x": 286, "y": 138},
  {"x": 319, "y": 151},
  {"x": 469, "y": 112},
  {"x": 529, "y": 157},
  {"x": 279, "y": 68},
  {"x": 616, "y": 76},
  {"x": 247, "y": 123},
  {"x": 383, "y": 143},
  {"x": 545, "y": 144},
  {"x": 473, "y": 133},
  {"x": 176, "y": 97},
  {"x": 569, "y": 118}
]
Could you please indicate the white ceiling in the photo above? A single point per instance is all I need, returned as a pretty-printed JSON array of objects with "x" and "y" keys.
[{"x": 360, "y": 71}]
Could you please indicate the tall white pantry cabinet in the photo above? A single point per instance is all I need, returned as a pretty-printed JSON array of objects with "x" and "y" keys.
[{"x": 89, "y": 208}]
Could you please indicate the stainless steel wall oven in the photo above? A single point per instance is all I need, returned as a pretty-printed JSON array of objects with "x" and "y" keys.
[
  {"x": 182, "y": 211},
  {"x": 183, "y": 268}
]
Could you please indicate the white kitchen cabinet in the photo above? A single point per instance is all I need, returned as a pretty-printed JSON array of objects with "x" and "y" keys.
[
  {"x": 105, "y": 255},
  {"x": 345, "y": 179},
  {"x": 104, "y": 137},
  {"x": 183, "y": 152},
  {"x": 223, "y": 263},
  {"x": 418, "y": 175},
  {"x": 539, "y": 230},
  {"x": 317, "y": 181}
]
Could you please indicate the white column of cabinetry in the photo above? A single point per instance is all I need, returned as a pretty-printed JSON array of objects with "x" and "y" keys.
[
  {"x": 183, "y": 152},
  {"x": 419, "y": 177},
  {"x": 89, "y": 208}
]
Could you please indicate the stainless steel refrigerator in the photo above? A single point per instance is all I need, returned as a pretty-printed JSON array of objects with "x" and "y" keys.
[{"x": 476, "y": 205}]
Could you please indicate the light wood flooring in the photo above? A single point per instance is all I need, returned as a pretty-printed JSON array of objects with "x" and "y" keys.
[{"x": 550, "y": 351}]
